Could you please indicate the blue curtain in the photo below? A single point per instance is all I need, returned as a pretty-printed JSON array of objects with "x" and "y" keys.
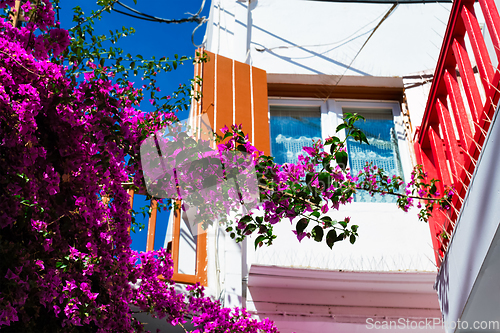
[
  {"x": 291, "y": 129},
  {"x": 382, "y": 151}
]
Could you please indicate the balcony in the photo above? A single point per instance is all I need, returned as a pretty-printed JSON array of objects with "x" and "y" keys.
[
  {"x": 457, "y": 143},
  {"x": 460, "y": 108}
]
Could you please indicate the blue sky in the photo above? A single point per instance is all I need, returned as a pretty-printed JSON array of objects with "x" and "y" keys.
[{"x": 151, "y": 38}]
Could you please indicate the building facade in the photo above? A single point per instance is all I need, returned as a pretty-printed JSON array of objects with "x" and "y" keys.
[{"x": 288, "y": 71}]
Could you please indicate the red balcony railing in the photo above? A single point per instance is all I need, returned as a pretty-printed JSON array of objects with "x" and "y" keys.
[{"x": 462, "y": 100}]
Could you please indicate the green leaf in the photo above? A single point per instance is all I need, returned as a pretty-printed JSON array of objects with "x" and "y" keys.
[
  {"x": 332, "y": 140},
  {"x": 246, "y": 219},
  {"x": 250, "y": 228},
  {"x": 332, "y": 149},
  {"x": 259, "y": 240},
  {"x": 348, "y": 115},
  {"x": 316, "y": 214},
  {"x": 433, "y": 189},
  {"x": 352, "y": 239},
  {"x": 325, "y": 179},
  {"x": 241, "y": 148},
  {"x": 331, "y": 238},
  {"x": 363, "y": 138},
  {"x": 309, "y": 177},
  {"x": 341, "y": 127},
  {"x": 210, "y": 181},
  {"x": 317, "y": 233},
  {"x": 301, "y": 225},
  {"x": 328, "y": 221},
  {"x": 341, "y": 159}
]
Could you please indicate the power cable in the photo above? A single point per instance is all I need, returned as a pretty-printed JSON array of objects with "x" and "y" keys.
[
  {"x": 146, "y": 17},
  {"x": 143, "y": 16},
  {"x": 194, "y": 31},
  {"x": 388, "y": 1},
  {"x": 346, "y": 39},
  {"x": 389, "y": 12}
]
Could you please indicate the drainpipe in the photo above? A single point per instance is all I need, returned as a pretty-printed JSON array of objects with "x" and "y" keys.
[
  {"x": 244, "y": 274},
  {"x": 244, "y": 244},
  {"x": 249, "y": 28}
]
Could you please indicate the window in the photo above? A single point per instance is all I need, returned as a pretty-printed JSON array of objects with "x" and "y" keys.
[
  {"x": 293, "y": 127},
  {"x": 165, "y": 230},
  {"x": 153, "y": 235},
  {"x": 294, "y": 123},
  {"x": 383, "y": 150}
]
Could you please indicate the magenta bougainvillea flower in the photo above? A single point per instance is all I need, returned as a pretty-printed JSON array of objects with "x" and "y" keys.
[{"x": 65, "y": 146}]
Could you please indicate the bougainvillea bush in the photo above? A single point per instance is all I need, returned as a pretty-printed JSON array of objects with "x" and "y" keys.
[
  {"x": 64, "y": 214},
  {"x": 69, "y": 143}
]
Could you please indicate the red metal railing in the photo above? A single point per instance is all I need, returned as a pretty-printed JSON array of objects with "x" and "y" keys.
[{"x": 456, "y": 118}]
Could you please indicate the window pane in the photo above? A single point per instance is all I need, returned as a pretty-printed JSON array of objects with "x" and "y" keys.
[
  {"x": 292, "y": 128},
  {"x": 187, "y": 246},
  {"x": 382, "y": 151},
  {"x": 162, "y": 217},
  {"x": 139, "y": 231}
]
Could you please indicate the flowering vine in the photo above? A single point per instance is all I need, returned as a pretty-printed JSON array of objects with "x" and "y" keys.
[
  {"x": 67, "y": 146},
  {"x": 304, "y": 192}
]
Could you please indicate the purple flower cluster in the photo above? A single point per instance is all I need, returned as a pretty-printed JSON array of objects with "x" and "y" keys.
[
  {"x": 317, "y": 183},
  {"x": 66, "y": 148}
]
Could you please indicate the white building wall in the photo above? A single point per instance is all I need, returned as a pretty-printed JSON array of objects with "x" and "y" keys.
[
  {"x": 313, "y": 37},
  {"x": 383, "y": 243}
]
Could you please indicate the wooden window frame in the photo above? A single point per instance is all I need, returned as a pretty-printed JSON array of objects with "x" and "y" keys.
[
  {"x": 201, "y": 253},
  {"x": 201, "y": 245}
]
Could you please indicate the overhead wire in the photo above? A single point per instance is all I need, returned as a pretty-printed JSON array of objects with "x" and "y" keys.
[
  {"x": 349, "y": 38},
  {"x": 389, "y": 12},
  {"x": 147, "y": 17}
]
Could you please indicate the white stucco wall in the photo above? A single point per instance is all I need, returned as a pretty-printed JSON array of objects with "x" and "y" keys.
[
  {"x": 312, "y": 37},
  {"x": 389, "y": 240}
]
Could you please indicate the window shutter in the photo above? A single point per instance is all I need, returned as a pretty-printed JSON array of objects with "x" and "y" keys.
[{"x": 235, "y": 93}]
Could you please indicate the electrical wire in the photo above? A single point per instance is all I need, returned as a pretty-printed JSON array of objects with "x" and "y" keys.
[
  {"x": 389, "y": 12},
  {"x": 348, "y": 39},
  {"x": 194, "y": 31},
  {"x": 134, "y": 16},
  {"x": 366, "y": 41},
  {"x": 146, "y": 17}
]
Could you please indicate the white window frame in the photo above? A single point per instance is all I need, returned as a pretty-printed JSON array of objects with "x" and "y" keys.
[
  {"x": 332, "y": 115},
  {"x": 305, "y": 103},
  {"x": 336, "y": 107}
]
